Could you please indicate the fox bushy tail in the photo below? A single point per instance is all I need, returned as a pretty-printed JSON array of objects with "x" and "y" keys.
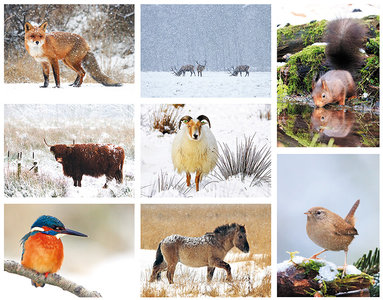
[
  {"x": 90, "y": 64},
  {"x": 344, "y": 38}
]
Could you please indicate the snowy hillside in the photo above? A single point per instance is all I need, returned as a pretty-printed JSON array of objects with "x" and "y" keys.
[
  {"x": 212, "y": 84},
  {"x": 228, "y": 128}
]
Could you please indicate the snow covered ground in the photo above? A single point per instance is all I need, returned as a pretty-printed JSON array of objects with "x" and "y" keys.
[
  {"x": 229, "y": 123},
  {"x": 188, "y": 281},
  {"x": 212, "y": 84}
]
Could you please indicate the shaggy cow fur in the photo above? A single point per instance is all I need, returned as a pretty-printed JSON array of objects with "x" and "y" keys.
[{"x": 90, "y": 159}]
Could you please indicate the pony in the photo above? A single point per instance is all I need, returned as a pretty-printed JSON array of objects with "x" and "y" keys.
[{"x": 207, "y": 250}]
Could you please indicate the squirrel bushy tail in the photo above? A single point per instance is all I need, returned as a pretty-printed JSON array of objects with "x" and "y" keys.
[{"x": 344, "y": 38}]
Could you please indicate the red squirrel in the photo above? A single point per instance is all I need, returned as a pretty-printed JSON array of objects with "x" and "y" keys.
[{"x": 344, "y": 38}]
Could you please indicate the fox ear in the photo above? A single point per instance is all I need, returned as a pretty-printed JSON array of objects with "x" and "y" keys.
[
  {"x": 27, "y": 26},
  {"x": 44, "y": 26}
]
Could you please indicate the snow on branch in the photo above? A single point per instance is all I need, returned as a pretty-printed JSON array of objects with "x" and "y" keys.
[{"x": 52, "y": 279}]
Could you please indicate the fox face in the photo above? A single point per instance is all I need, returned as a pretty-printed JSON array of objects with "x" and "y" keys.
[{"x": 35, "y": 38}]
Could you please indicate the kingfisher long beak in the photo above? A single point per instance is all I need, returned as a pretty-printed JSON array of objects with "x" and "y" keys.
[{"x": 72, "y": 232}]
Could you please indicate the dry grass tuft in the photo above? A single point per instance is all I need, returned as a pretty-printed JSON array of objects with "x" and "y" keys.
[
  {"x": 247, "y": 159},
  {"x": 165, "y": 183},
  {"x": 165, "y": 119}
]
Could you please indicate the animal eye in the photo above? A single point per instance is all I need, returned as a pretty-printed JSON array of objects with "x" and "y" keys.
[
  {"x": 32, "y": 36},
  {"x": 322, "y": 118},
  {"x": 203, "y": 122},
  {"x": 185, "y": 121},
  {"x": 318, "y": 212},
  {"x": 323, "y": 96}
]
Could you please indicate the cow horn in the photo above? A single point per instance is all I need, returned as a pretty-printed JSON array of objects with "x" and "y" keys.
[{"x": 47, "y": 143}]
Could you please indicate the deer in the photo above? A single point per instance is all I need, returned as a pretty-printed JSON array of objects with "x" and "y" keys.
[
  {"x": 200, "y": 68},
  {"x": 239, "y": 69},
  {"x": 183, "y": 70}
]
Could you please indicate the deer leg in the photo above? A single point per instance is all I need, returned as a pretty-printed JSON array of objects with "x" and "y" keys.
[
  {"x": 197, "y": 180},
  {"x": 188, "y": 177},
  {"x": 210, "y": 273}
]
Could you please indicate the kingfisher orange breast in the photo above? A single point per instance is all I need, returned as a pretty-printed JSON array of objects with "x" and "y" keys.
[{"x": 43, "y": 253}]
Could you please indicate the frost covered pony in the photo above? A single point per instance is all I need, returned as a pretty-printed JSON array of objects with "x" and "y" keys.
[
  {"x": 194, "y": 148},
  {"x": 207, "y": 250}
]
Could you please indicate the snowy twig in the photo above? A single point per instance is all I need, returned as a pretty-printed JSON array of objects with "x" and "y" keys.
[{"x": 52, "y": 279}]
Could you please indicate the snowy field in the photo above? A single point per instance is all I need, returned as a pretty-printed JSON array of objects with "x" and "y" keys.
[
  {"x": 191, "y": 282},
  {"x": 227, "y": 127},
  {"x": 212, "y": 84},
  {"x": 27, "y": 125}
]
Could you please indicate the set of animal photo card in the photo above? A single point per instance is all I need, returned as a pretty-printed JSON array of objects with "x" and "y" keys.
[{"x": 200, "y": 149}]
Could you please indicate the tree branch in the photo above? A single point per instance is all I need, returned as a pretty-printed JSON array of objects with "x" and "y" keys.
[{"x": 52, "y": 279}]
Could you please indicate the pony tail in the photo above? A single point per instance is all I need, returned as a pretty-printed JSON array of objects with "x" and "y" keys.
[
  {"x": 159, "y": 257},
  {"x": 156, "y": 274}
]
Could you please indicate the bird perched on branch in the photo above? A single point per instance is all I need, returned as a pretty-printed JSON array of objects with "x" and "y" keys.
[
  {"x": 43, "y": 250},
  {"x": 330, "y": 231}
]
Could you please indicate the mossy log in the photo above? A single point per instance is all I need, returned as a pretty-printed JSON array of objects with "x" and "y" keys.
[
  {"x": 292, "y": 39},
  {"x": 296, "y": 281}
]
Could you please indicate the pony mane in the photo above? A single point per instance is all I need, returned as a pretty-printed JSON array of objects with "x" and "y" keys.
[{"x": 224, "y": 229}]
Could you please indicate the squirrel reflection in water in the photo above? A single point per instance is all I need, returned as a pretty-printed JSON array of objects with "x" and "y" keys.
[{"x": 332, "y": 123}]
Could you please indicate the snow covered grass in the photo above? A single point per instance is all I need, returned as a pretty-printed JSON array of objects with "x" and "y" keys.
[
  {"x": 250, "y": 123},
  {"x": 26, "y": 126},
  {"x": 251, "y": 271},
  {"x": 212, "y": 84},
  {"x": 26, "y": 70},
  {"x": 250, "y": 278}
]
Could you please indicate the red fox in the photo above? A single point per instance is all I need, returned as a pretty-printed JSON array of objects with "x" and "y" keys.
[
  {"x": 344, "y": 39},
  {"x": 72, "y": 49}
]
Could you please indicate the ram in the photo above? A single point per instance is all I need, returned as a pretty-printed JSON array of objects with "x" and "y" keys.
[
  {"x": 194, "y": 148},
  {"x": 90, "y": 159}
]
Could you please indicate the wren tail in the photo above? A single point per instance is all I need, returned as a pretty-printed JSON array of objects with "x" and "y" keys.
[
  {"x": 350, "y": 219},
  {"x": 344, "y": 38},
  {"x": 90, "y": 64}
]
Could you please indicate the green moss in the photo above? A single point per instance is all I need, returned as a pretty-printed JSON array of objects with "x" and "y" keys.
[
  {"x": 309, "y": 33},
  {"x": 288, "y": 32},
  {"x": 373, "y": 45},
  {"x": 311, "y": 58},
  {"x": 314, "y": 32},
  {"x": 311, "y": 266}
]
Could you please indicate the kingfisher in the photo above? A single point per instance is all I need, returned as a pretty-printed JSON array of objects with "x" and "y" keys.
[{"x": 43, "y": 250}]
